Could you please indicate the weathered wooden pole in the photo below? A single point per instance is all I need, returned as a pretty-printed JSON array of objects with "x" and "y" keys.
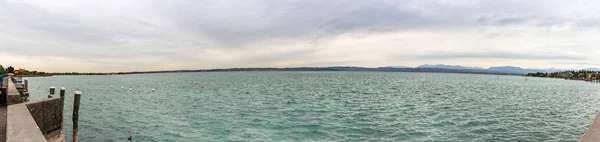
[
  {"x": 62, "y": 93},
  {"x": 3, "y": 121},
  {"x": 26, "y": 86},
  {"x": 62, "y": 108},
  {"x": 51, "y": 92},
  {"x": 76, "y": 116},
  {"x": 4, "y": 96}
]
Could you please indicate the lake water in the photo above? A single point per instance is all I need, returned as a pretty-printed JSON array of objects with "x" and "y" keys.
[{"x": 325, "y": 106}]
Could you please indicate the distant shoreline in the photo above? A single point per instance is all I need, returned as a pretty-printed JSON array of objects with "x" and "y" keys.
[{"x": 359, "y": 69}]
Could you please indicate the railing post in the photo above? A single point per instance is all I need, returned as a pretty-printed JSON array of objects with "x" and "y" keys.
[
  {"x": 51, "y": 92},
  {"x": 76, "y": 116}
]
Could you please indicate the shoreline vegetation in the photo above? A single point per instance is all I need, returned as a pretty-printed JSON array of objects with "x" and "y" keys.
[
  {"x": 23, "y": 72},
  {"x": 571, "y": 75}
]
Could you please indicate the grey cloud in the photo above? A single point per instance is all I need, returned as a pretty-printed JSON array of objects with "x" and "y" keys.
[
  {"x": 577, "y": 63},
  {"x": 512, "y": 20},
  {"x": 64, "y": 26},
  {"x": 306, "y": 19},
  {"x": 93, "y": 40},
  {"x": 171, "y": 31},
  {"x": 236, "y": 24},
  {"x": 593, "y": 22}
]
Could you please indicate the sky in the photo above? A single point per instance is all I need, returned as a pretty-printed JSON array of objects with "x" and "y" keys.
[{"x": 143, "y": 35}]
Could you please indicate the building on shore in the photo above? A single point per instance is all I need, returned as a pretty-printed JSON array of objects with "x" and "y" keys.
[{"x": 592, "y": 76}]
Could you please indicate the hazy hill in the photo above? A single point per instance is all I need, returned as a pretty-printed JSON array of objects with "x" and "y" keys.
[{"x": 449, "y": 67}]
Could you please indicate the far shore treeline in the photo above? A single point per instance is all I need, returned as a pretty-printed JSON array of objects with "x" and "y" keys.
[
  {"x": 380, "y": 69},
  {"x": 23, "y": 73},
  {"x": 571, "y": 74},
  {"x": 337, "y": 68}
]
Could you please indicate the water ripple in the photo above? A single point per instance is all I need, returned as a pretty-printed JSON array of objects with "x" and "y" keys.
[{"x": 326, "y": 106}]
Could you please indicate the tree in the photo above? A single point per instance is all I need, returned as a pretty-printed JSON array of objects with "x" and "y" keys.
[
  {"x": 2, "y": 71},
  {"x": 10, "y": 69}
]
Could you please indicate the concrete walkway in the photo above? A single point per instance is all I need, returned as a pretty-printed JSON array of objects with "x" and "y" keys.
[
  {"x": 14, "y": 97},
  {"x": 21, "y": 126},
  {"x": 593, "y": 132}
]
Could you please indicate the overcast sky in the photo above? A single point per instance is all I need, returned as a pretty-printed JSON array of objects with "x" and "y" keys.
[{"x": 132, "y": 35}]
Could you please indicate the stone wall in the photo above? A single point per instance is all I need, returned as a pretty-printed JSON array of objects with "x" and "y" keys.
[{"x": 47, "y": 114}]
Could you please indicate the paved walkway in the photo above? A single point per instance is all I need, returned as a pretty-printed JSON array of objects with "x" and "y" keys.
[
  {"x": 593, "y": 132},
  {"x": 16, "y": 122},
  {"x": 22, "y": 127},
  {"x": 3, "y": 117}
]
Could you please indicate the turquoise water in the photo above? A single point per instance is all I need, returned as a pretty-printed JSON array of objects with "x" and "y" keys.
[{"x": 326, "y": 106}]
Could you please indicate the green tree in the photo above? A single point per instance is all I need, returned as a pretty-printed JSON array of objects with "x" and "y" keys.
[
  {"x": 2, "y": 71},
  {"x": 10, "y": 69}
]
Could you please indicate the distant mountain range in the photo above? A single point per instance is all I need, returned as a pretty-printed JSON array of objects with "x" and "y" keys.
[
  {"x": 518, "y": 70},
  {"x": 449, "y": 67}
]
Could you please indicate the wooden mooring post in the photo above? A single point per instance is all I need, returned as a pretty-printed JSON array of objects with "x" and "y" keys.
[
  {"x": 26, "y": 86},
  {"x": 62, "y": 94},
  {"x": 3, "y": 115},
  {"x": 76, "y": 116},
  {"x": 51, "y": 92},
  {"x": 4, "y": 96},
  {"x": 62, "y": 107}
]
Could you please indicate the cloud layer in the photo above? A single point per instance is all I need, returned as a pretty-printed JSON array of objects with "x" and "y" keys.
[{"x": 128, "y": 35}]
